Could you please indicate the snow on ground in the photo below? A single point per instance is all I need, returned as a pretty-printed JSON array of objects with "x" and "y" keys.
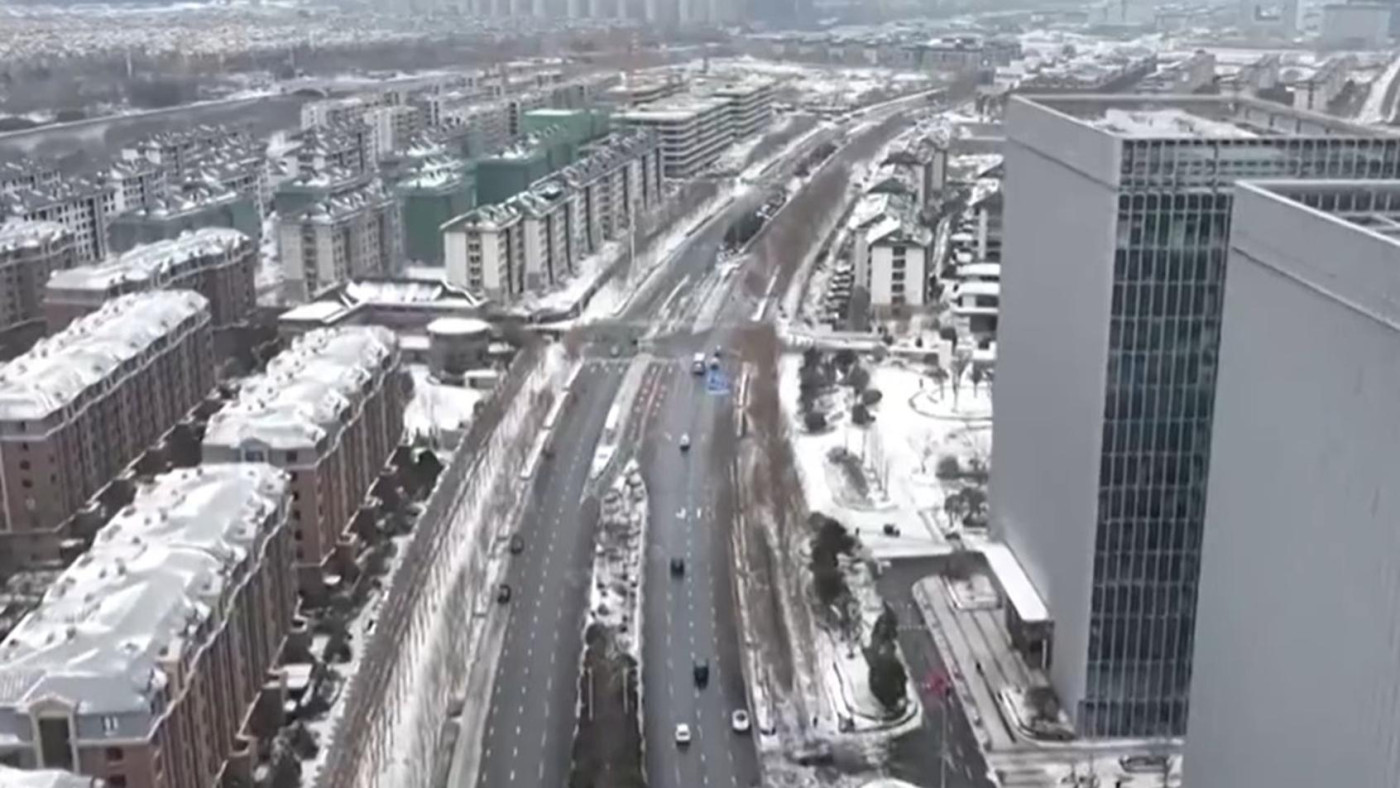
[
  {"x": 615, "y": 595},
  {"x": 845, "y": 681},
  {"x": 828, "y": 85},
  {"x": 618, "y": 292},
  {"x": 889, "y": 474},
  {"x": 567, "y": 297},
  {"x": 1373, "y": 110},
  {"x": 267, "y": 279},
  {"x": 438, "y": 406}
]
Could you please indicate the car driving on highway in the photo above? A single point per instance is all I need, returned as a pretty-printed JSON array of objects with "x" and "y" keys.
[
  {"x": 739, "y": 721},
  {"x": 682, "y": 734},
  {"x": 685, "y": 441}
]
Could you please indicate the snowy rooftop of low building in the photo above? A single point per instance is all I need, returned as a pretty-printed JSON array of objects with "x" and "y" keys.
[
  {"x": 135, "y": 600},
  {"x": 20, "y": 233},
  {"x": 48, "y": 778},
  {"x": 1014, "y": 582},
  {"x": 980, "y": 270},
  {"x": 61, "y": 367},
  {"x": 673, "y": 110},
  {"x": 317, "y": 311},
  {"x": 154, "y": 261},
  {"x": 976, "y": 288},
  {"x": 459, "y": 326},
  {"x": 1170, "y": 116},
  {"x": 297, "y": 400}
]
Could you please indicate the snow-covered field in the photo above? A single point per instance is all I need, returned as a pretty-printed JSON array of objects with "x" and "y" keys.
[
  {"x": 834, "y": 86},
  {"x": 916, "y": 423}
]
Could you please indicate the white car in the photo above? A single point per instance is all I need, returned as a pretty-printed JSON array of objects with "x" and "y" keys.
[
  {"x": 739, "y": 721},
  {"x": 682, "y": 734},
  {"x": 685, "y": 441}
]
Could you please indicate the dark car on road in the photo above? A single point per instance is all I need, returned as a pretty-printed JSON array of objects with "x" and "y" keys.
[
  {"x": 503, "y": 594},
  {"x": 677, "y": 566},
  {"x": 517, "y": 544},
  {"x": 702, "y": 672}
]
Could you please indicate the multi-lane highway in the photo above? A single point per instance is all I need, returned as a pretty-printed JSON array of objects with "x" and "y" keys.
[
  {"x": 691, "y": 305},
  {"x": 529, "y": 728}
]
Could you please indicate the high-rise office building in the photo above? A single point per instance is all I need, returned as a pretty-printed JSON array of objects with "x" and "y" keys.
[
  {"x": 1297, "y": 664},
  {"x": 1117, "y": 217}
]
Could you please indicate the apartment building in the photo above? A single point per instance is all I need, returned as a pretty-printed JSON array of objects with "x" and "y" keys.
[
  {"x": 349, "y": 148},
  {"x": 142, "y": 661},
  {"x": 391, "y": 128},
  {"x": 82, "y": 404},
  {"x": 29, "y": 253},
  {"x": 78, "y": 204},
  {"x": 548, "y": 215},
  {"x": 484, "y": 251},
  {"x": 134, "y": 183},
  {"x": 1296, "y": 677},
  {"x": 1105, "y": 411},
  {"x": 536, "y": 238},
  {"x": 179, "y": 152},
  {"x": 218, "y": 263},
  {"x": 196, "y": 206},
  {"x": 692, "y": 131},
  {"x": 349, "y": 235},
  {"x": 28, "y": 174},
  {"x": 347, "y": 111},
  {"x": 750, "y": 104},
  {"x": 329, "y": 411}
]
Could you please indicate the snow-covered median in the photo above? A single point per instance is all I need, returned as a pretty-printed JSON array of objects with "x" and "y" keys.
[{"x": 615, "y": 597}]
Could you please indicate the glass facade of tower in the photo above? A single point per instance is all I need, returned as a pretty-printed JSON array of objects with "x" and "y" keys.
[{"x": 1168, "y": 278}]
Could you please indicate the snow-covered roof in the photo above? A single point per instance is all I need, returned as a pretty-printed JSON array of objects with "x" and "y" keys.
[
  {"x": 60, "y": 368},
  {"x": 48, "y": 778},
  {"x": 1014, "y": 582},
  {"x": 980, "y": 271},
  {"x": 459, "y": 326},
  {"x": 979, "y": 288},
  {"x": 316, "y": 310},
  {"x": 155, "y": 573},
  {"x": 20, "y": 234},
  {"x": 155, "y": 263},
  {"x": 1169, "y": 122},
  {"x": 884, "y": 227},
  {"x": 298, "y": 399}
]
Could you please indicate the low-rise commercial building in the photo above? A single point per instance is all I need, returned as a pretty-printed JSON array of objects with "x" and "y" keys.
[
  {"x": 142, "y": 661},
  {"x": 82, "y": 404},
  {"x": 750, "y": 104},
  {"x": 218, "y": 263},
  {"x": 404, "y": 305},
  {"x": 692, "y": 131},
  {"x": 329, "y": 411},
  {"x": 29, "y": 253}
]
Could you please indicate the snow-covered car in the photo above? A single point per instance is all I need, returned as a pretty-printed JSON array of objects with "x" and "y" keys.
[
  {"x": 739, "y": 721},
  {"x": 682, "y": 734},
  {"x": 685, "y": 441}
]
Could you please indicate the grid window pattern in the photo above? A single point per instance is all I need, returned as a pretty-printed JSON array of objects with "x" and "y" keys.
[{"x": 1169, "y": 273}]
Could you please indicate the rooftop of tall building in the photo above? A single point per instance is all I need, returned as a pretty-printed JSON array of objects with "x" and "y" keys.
[
  {"x": 107, "y": 627},
  {"x": 297, "y": 400},
  {"x": 154, "y": 261},
  {"x": 58, "y": 369},
  {"x": 1195, "y": 117}
]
